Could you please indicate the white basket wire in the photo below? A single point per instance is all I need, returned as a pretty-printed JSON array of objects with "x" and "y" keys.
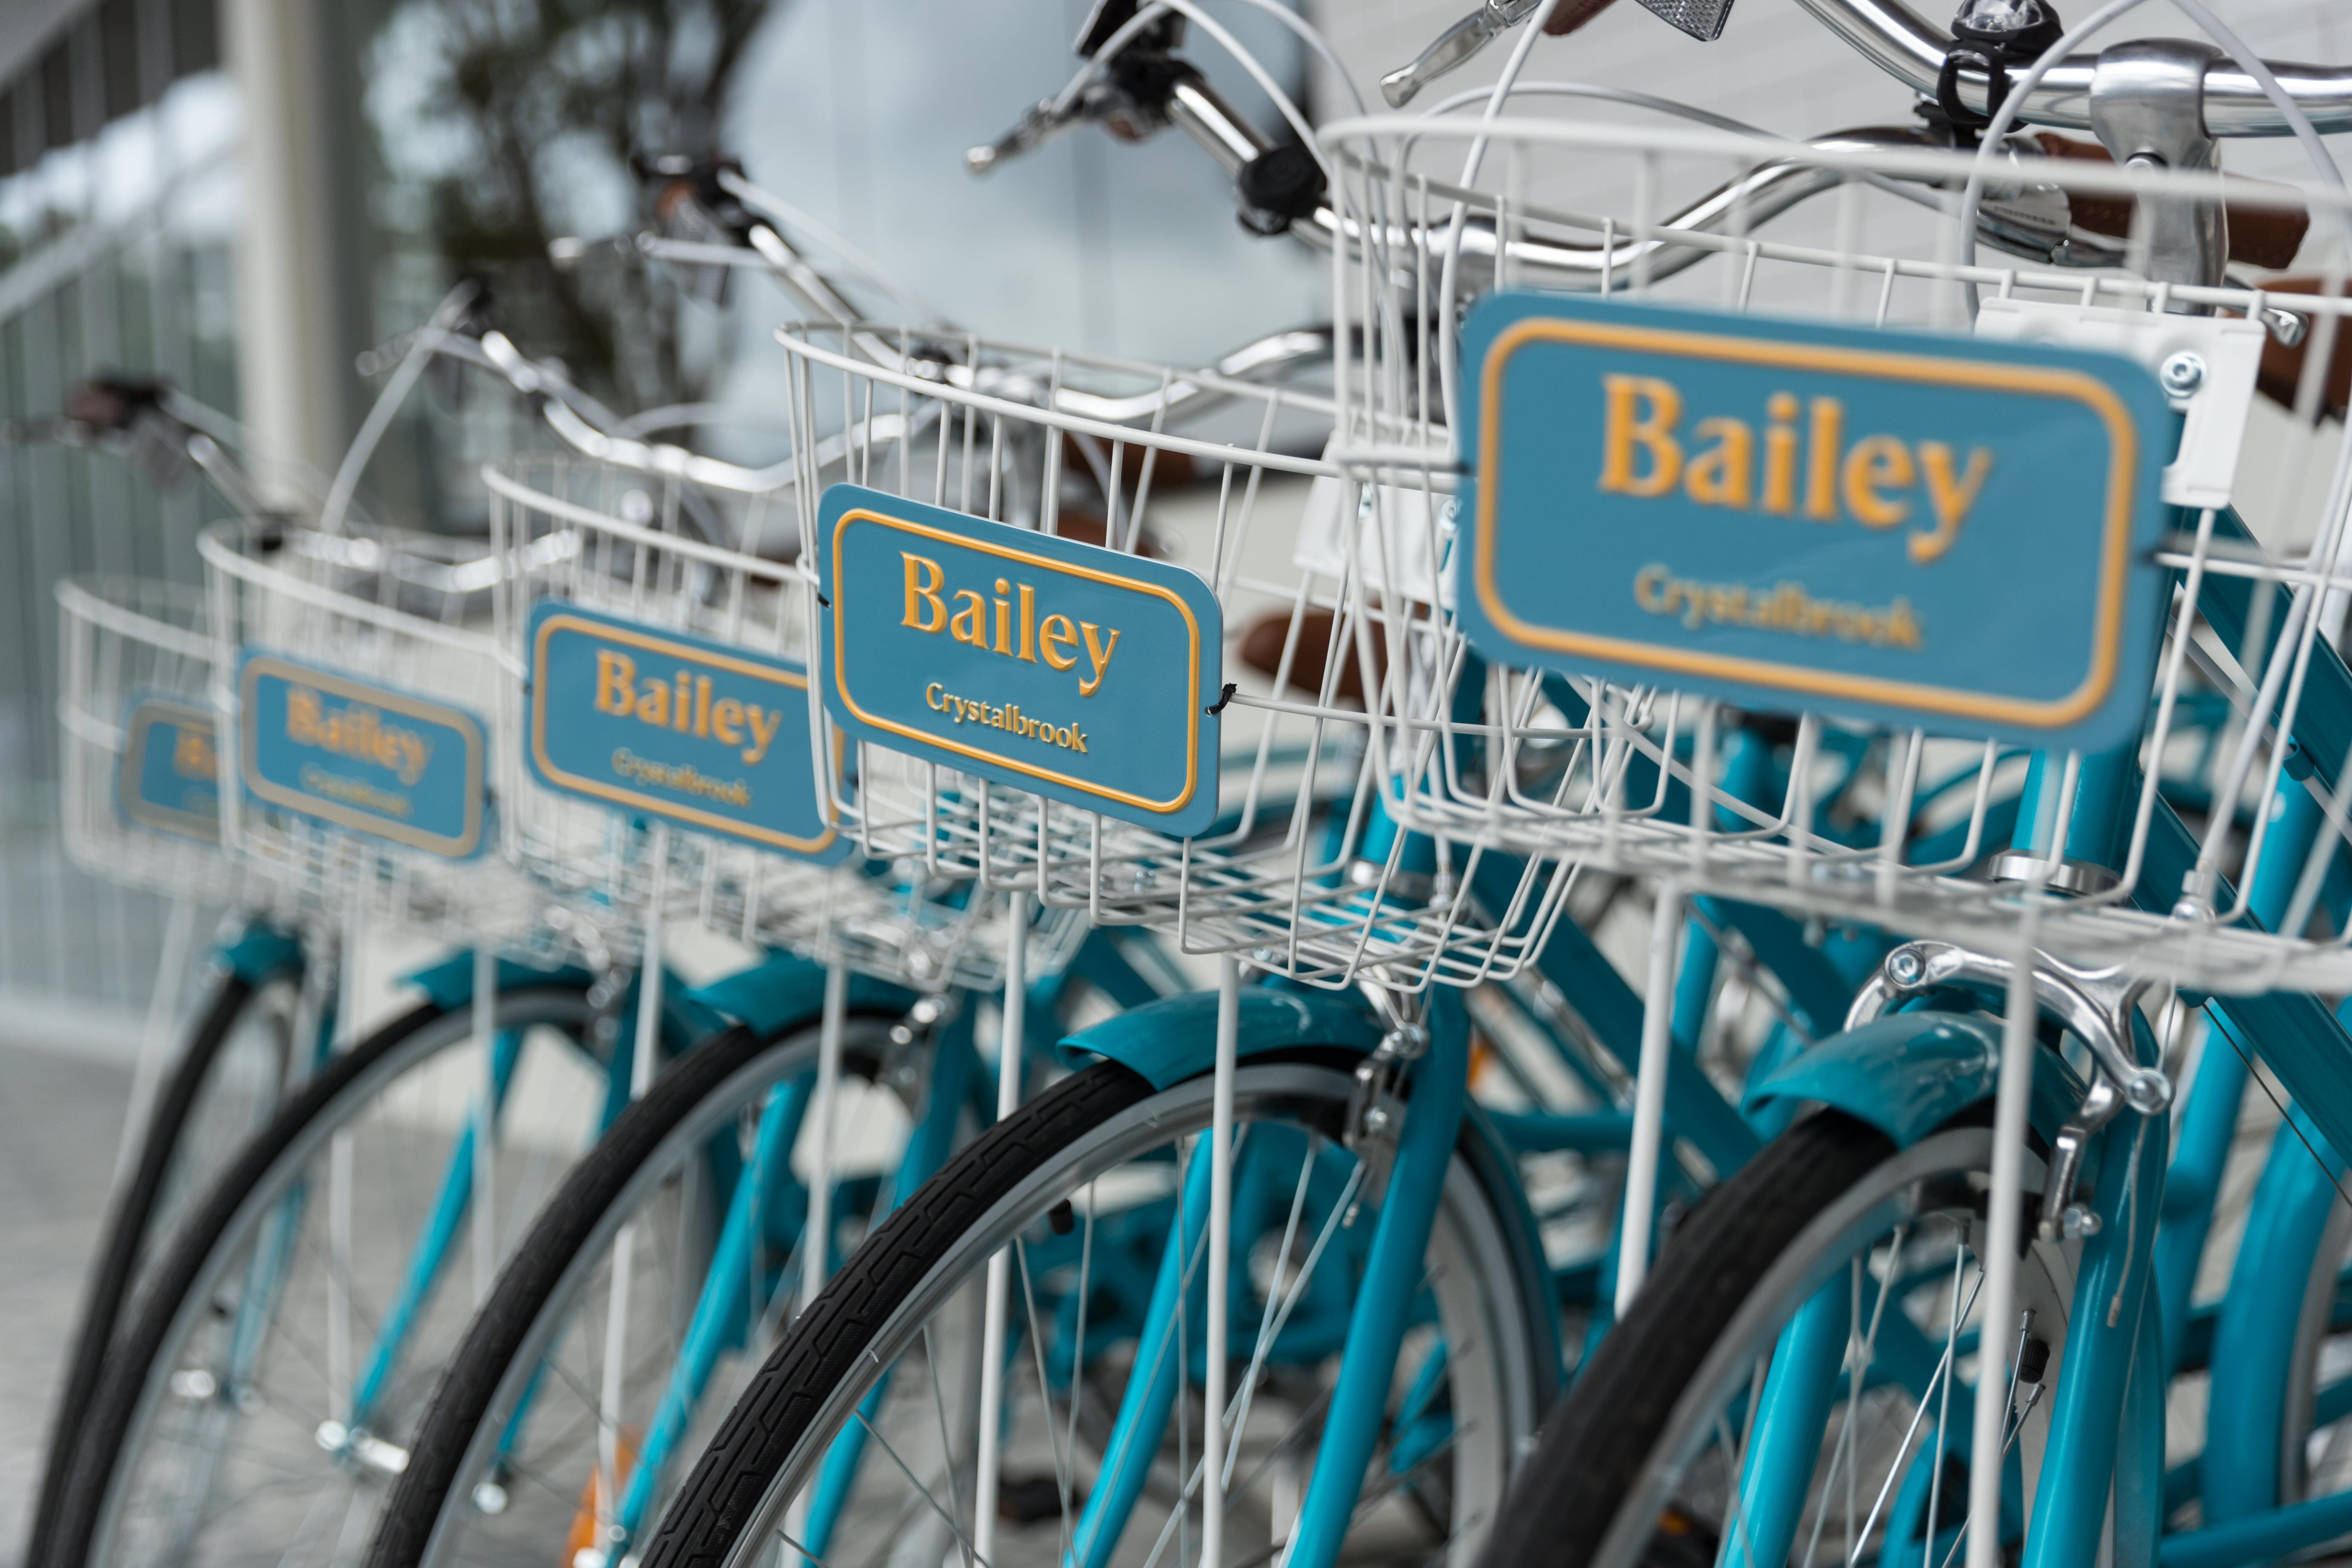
[
  {"x": 1221, "y": 472},
  {"x": 1587, "y": 207},
  {"x": 626, "y": 542},
  {"x": 136, "y": 652},
  {"x": 408, "y": 612}
]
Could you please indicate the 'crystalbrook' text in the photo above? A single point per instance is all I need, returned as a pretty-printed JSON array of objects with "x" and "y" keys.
[
  {"x": 1783, "y": 607},
  {"x": 963, "y": 710}
]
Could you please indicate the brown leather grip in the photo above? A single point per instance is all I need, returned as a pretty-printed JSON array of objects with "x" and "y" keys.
[
  {"x": 1572, "y": 15},
  {"x": 1262, "y": 644},
  {"x": 2264, "y": 234},
  {"x": 2282, "y": 369}
]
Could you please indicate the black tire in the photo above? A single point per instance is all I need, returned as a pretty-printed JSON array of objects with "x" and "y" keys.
[
  {"x": 126, "y": 1239},
  {"x": 569, "y": 1224},
  {"x": 730, "y": 1484},
  {"x": 1601, "y": 1436},
  {"x": 125, "y": 1387}
]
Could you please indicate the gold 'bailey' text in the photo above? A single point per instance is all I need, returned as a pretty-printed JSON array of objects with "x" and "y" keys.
[
  {"x": 1782, "y": 607},
  {"x": 357, "y": 731},
  {"x": 192, "y": 753},
  {"x": 683, "y": 706},
  {"x": 1880, "y": 481},
  {"x": 1056, "y": 639}
]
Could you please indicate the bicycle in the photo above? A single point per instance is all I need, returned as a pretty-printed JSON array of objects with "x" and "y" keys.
[
  {"x": 378, "y": 1083},
  {"x": 760, "y": 1456},
  {"x": 1710, "y": 1422},
  {"x": 140, "y": 806},
  {"x": 359, "y": 1415},
  {"x": 951, "y": 369},
  {"x": 429, "y": 1514}
]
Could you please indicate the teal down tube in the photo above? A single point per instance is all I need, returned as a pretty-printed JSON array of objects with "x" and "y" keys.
[
  {"x": 265, "y": 1275},
  {"x": 1391, "y": 1280},
  {"x": 725, "y": 1298},
  {"x": 2139, "y": 1460},
  {"x": 1612, "y": 1010},
  {"x": 723, "y": 1301},
  {"x": 440, "y": 1229},
  {"x": 2078, "y": 1463},
  {"x": 1181, "y": 1291},
  {"x": 2254, "y": 1342},
  {"x": 2295, "y": 1034},
  {"x": 1789, "y": 1422},
  {"x": 2209, "y": 1122},
  {"x": 926, "y": 1151},
  {"x": 2264, "y": 1538}
]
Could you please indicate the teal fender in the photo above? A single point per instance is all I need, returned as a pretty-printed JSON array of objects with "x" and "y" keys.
[
  {"x": 449, "y": 983},
  {"x": 768, "y": 995},
  {"x": 1909, "y": 1073},
  {"x": 260, "y": 953},
  {"x": 1168, "y": 1042},
  {"x": 785, "y": 989}
]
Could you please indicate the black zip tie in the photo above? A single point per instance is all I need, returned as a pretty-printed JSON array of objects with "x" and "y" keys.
[
  {"x": 1226, "y": 697},
  {"x": 823, "y": 600}
]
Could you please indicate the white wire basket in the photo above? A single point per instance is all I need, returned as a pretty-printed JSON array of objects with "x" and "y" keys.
[
  {"x": 1899, "y": 828},
  {"x": 139, "y": 777},
  {"x": 376, "y": 633},
  {"x": 1219, "y": 472},
  {"x": 617, "y": 541}
]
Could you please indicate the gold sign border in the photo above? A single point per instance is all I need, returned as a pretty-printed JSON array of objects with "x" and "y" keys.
[
  {"x": 1191, "y": 662},
  {"x": 567, "y": 620},
  {"x": 148, "y": 713},
  {"x": 1885, "y": 365},
  {"x": 460, "y": 847}
]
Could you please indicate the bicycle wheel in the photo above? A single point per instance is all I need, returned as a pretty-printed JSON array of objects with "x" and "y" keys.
[
  {"x": 258, "y": 1398},
  {"x": 224, "y": 1083},
  {"x": 858, "y": 1438},
  {"x": 595, "y": 1356},
  {"x": 1833, "y": 1263}
]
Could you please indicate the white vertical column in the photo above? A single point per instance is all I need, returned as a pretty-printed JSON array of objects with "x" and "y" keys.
[
  {"x": 993, "y": 1328},
  {"x": 1650, "y": 1097},
  {"x": 1221, "y": 1233},
  {"x": 817, "y": 1235},
  {"x": 290, "y": 385}
]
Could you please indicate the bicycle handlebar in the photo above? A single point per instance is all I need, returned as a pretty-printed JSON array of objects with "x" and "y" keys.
[
  {"x": 1893, "y": 37},
  {"x": 1896, "y": 40}
]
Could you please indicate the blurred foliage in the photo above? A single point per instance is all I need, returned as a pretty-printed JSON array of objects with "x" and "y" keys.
[{"x": 540, "y": 92}]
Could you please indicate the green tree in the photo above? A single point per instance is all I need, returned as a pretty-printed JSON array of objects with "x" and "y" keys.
[{"x": 532, "y": 99}]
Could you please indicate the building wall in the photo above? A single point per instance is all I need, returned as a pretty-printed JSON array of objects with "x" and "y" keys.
[{"x": 119, "y": 196}]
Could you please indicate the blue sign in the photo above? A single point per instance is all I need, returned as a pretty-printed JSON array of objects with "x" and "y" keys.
[
  {"x": 1073, "y": 671},
  {"x": 710, "y": 736},
  {"x": 1904, "y": 527},
  {"x": 170, "y": 778},
  {"x": 404, "y": 768}
]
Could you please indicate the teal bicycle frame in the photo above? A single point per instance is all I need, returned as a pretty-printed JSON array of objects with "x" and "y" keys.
[{"x": 2132, "y": 1325}]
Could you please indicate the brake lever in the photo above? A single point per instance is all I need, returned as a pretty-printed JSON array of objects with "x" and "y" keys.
[
  {"x": 1455, "y": 47},
  {"x": 1041, "y": 124}
]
